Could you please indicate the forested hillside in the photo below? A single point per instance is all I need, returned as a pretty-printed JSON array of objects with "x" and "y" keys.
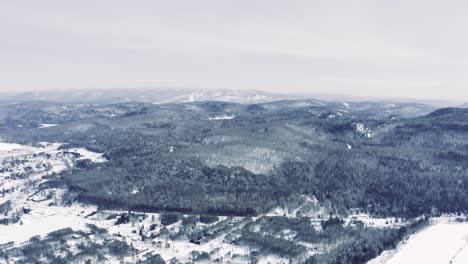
[{"x": 231, "y": 159}]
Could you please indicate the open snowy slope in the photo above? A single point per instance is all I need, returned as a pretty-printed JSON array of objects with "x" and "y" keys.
[{"x": 443, "y": 242}]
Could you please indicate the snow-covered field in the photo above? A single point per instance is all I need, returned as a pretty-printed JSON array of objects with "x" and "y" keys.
[
  {"x": 42, "y": 220},
  {"x": 445, "y": 241},
  {"x": 22, "y": 168},
  {"x": 5, "y": 147}
]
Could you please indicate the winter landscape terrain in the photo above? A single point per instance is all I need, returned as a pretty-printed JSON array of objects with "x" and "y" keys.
[
  {"x": 289, "y": 181},
  {"x": 233, "y": 132}
]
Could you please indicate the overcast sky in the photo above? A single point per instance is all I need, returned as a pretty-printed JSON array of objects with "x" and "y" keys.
[{"x": 390, "y": 48}]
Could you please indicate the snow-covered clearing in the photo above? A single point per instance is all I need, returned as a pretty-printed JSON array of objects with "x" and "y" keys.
[
  {"x": 9, "y": 147},
  {"x": 223, "y": 117},
  {"x": 47, "y": 125},
  {"x": 445, "y": 241},
  {"x": 86, "y": 154},
  {"x": 42, "y": 220}
]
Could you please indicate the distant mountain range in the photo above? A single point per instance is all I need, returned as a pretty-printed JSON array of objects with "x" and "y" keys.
[
  {"x": 157, "y": 96},
  {"x": 372, "y": 106},
  {"x": 186, "y": 95},
  {"x": 274, "y": 168}
]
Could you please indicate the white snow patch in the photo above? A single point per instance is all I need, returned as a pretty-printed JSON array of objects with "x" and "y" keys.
[
  {"x": 10, "y": 147},
  {"x": 223, "y": 117},
  {"x": 47, "y": 125},
  {"x": 86, "y": 154},
  {"x": 362, "y": 130},
  {"x": 443, "y": 242}
]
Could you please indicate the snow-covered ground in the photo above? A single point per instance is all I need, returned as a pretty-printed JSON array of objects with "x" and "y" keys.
[
  {"x": 22, "y": 168},
  {"x": 42, "y": 220},
  {"x": 86, "y": 154},
  {"x": 222, "y": 117},
  {"x": 47, "y": 125},
  {"x": 178, "y": 248},
  {"x": 5, "y": 147},
  {"x": 445, "y": 241},
  {"x": 369, "y": 221},
  {"x": 37, "y": 161}
]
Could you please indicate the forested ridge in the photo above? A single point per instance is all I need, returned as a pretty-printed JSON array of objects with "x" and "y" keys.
[{"x": 187, "y": 158}]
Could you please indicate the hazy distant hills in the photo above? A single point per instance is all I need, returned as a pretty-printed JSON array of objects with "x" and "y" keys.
[
  {"x": 270, "y": 101},
  {"x": 34, "y": 113},
  {"x": 162, "y": 95},
  {"x": 465, "y": 105},
  {"x": 185, "y": 95}
]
